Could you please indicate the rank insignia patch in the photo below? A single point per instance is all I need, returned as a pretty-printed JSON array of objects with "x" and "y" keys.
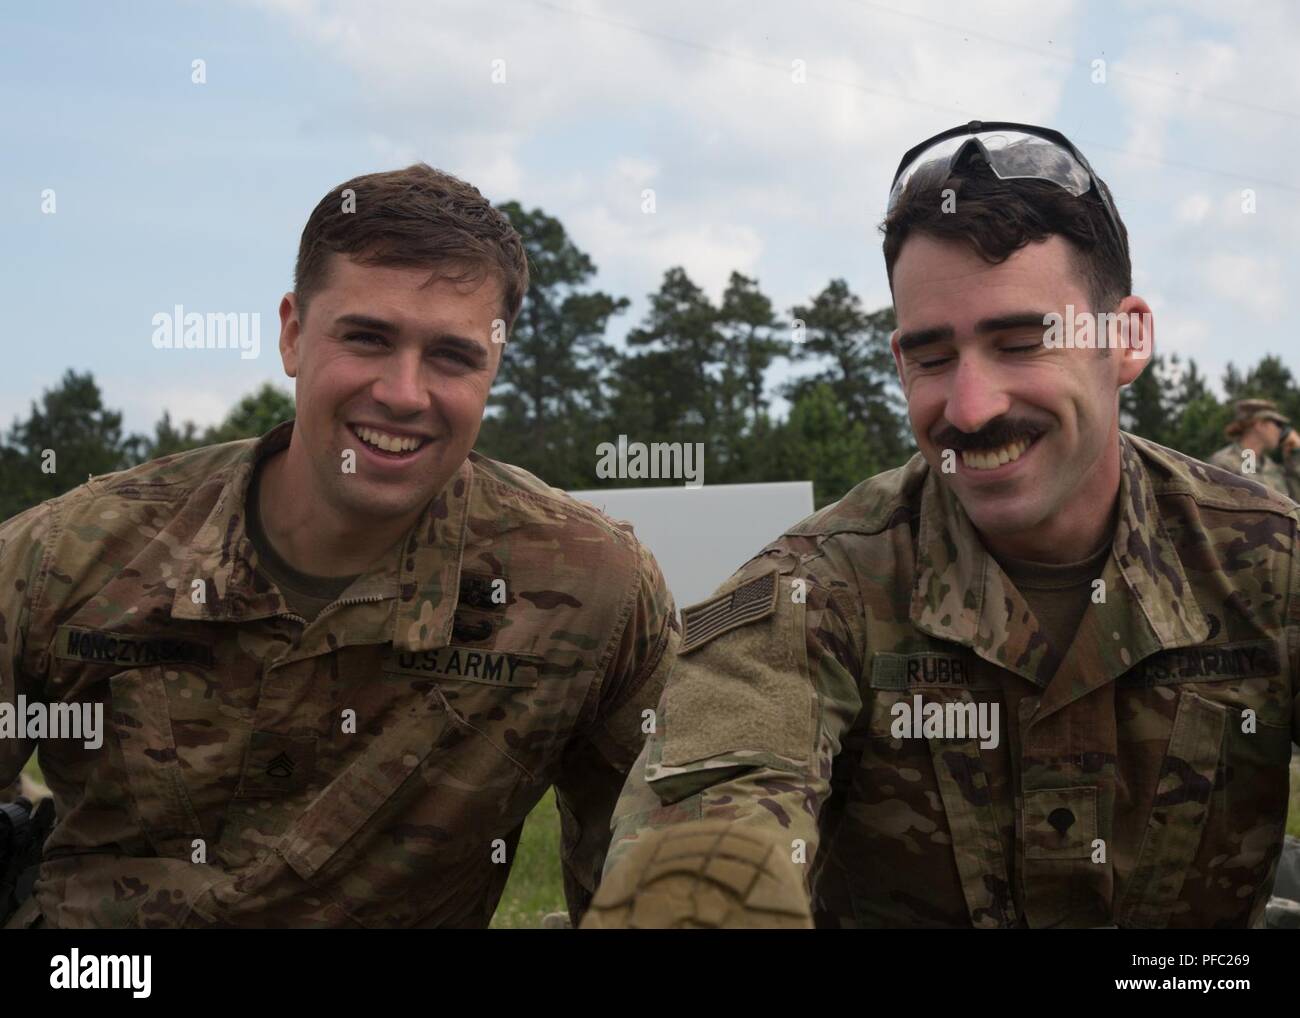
[{"x": 747, "y": 603}]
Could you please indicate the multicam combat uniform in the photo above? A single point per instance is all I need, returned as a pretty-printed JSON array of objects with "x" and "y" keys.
[
  {"x": 373, "y": 767},
  {"x": 1282, "y": 479},
  {"x": 1142, "y": 783}
]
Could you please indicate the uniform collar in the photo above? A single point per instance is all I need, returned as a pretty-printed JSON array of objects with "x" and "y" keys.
[
  {"x": 961, "y": 593},
  {"x": 422, "y": 574}
]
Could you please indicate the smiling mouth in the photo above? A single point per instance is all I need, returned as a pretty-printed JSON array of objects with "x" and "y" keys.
[
  {"x": 991, "y": 459},
  {"x": 384, "y": 443}
]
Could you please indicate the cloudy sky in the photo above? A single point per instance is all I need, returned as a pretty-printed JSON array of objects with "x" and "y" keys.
[{"x": 171, "y": 192}]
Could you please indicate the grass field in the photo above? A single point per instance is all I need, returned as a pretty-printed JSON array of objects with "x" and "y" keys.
[
  {"x": 1293, "y": 818},
  {"x": 536, "y": 886}
]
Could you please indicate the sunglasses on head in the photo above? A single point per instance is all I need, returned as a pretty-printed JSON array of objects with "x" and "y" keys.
[{"x": 1012, "y": 152}]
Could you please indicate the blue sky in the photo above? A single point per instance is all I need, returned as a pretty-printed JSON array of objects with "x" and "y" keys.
[{"x": 169, "y": 192}]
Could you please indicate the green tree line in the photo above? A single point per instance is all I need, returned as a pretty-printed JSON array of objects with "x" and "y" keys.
[{"x": 693, "y": 370}]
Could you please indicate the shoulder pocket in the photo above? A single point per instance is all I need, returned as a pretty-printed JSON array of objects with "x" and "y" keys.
[
  {"x": 753, "y": 696},
  {"x": 748, "y": 602}
]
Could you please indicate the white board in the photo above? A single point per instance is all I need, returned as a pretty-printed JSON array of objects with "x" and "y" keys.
[{"x": 700, "y": 536}]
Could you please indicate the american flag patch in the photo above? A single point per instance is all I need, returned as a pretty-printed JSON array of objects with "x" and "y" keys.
[{"x": 747, "y": 603}]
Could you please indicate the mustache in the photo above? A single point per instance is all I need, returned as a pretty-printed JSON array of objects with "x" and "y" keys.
[{"x": 996, "y": 433}]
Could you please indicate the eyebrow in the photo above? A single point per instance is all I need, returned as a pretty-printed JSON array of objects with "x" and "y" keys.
[
  {"x": 942, "y": 333},
  {"x": 451, "y": 339}
]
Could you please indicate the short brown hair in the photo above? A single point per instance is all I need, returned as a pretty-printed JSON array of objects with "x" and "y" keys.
[
  {"x": 414, "y": 217},
  {"x": 998, "y": 217}
]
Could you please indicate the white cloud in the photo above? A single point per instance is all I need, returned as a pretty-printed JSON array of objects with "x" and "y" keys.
[
  {"x": 1186, "y": 333},
  {"x": 1251, "y": 283},
  {"x": 694, "y": 100},
  {"x": 650, "y": 244},
  {"x": 1194, "y": 208},
  {"x": 757, "y": 173},
  {"x": 1164, "y": 80},
  {"x": 205, "y": 405},
  {"x": 1213, "y": 88}
]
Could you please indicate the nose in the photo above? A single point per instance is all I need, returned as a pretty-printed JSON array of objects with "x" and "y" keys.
[
  {"x": 399, "y": 386},
  {"x": 977, "y": 395}
]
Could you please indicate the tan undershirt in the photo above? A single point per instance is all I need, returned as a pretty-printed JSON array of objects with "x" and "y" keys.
[
  {"x": 1057, "y": 593},
  {"x": 306, "y": 594}
]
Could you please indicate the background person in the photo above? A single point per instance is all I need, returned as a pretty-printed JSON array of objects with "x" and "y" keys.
[{"x": 1260, "y": 430}]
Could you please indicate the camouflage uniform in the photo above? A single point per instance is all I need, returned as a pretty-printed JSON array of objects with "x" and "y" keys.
[
  {"x": 227, "y": 720},
  {"x": 1284, "y": 480},
  {"x": 1129, "y": 786}
]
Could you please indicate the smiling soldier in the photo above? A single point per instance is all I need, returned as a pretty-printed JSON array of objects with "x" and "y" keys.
[
  {"x": 1131, "y": 612},
  {"x": 342, "y": 662}
]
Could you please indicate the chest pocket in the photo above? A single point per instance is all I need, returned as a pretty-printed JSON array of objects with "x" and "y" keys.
[
  {"x": 524, "y": 703},
  {"x": 1221, "y": 789},
  {"x": 922, "y": 796},
  {"x": 1178, "y": 813},
  {"x": 150, "y": 763},
  {"x": 411, "y": 822}
]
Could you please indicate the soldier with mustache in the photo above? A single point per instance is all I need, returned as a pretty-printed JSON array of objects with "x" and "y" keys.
[{"x": 1128, "y": 613}]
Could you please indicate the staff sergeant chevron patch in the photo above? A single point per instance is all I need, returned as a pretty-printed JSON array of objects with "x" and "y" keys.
[{"x": 747, "y": 603}]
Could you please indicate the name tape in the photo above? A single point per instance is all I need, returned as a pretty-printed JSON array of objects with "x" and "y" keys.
[
  {"x": 75, "y": 644},
  {"x": 494, "y": 668}
]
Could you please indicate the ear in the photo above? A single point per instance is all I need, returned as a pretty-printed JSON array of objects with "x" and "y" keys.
[
  {"x": 1137, "y": 338},
  {"x": 290, "y": 333}
]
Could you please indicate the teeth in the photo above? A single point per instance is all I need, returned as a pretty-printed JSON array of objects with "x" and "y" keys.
[
  {"x": 387, "y": 442},
  {"x": 995, "y": 457}
]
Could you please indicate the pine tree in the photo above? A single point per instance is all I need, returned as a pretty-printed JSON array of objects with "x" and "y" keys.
[
  {"x": 551, "y": 389},
  {"x": 859, "y": 368},
  {"x": 68, "y": 437}
]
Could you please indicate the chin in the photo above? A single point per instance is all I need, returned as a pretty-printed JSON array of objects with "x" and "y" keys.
[{"x": 379, "y": 507}]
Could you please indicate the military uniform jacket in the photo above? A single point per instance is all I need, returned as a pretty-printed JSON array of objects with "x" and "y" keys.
[
  {"x": 1139, "y": 781},
  {"x": 373, "y": 768},
  {"x": 1283, "y": 479}
]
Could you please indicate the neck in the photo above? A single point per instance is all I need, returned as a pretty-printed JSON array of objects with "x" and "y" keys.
[
  {"x": 310, "y": 534},
  {"x": 1070, "y": 536},
  {"x": 1072, "y": 543}
]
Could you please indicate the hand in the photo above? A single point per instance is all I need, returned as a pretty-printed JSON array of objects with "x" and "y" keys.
[{"x": 1292, "y": 441}]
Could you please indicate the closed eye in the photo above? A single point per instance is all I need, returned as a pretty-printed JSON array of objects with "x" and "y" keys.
[
  {"x": 938, "y": 362},
  {"x": 459, "y": 358}
]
